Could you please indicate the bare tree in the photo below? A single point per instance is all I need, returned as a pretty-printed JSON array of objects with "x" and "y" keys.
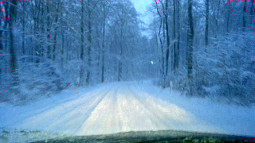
[
  {"x": 89, "y": 41},
  {"x": 190, "y": 43},
  {"x": 13, "y": 58},
  {"x": 206, "y": 23}
]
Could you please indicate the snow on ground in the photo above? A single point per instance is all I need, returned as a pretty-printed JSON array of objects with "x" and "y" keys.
[{"x": 127, "y": 106}]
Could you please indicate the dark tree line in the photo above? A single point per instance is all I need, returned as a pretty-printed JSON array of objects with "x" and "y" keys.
[
  {"x": 54, "y": 44},
  {"x": 205, "y": 48},
  {"x": 200, "y": 54}
]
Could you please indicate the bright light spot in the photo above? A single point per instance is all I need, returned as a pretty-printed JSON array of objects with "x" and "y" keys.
[{"x": 152, "y": 62}]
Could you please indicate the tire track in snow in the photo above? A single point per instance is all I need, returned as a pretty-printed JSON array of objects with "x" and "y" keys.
[
  {"x": 101, "y": 119},
  {"x": 118, "y": 112},
  {"x": 90, "y": 112},
  {"x": 79, "y": 114},
  {"x": 111, "y": 109},
  {"x": 37, "y": 106},
  {"x": 134, "y": 117},
  {"x": 156, "y": 118},
  {"x": 55, "y": 118},
  {"x": 175, "y": 117}
]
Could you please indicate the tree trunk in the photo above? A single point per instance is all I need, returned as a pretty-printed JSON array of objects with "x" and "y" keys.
[
  {"x": 89, "y": 44},
  {"x": 160, "y": 45},
  {"x": 228, "y": 18},
  {"x": 176, "y": 50},
  {"x": 62, "y": 50},
  {"x": 168, "y": 44},
  {"x": 13, "y": 59},
  {"x": 48, "y": 30},
  {"x": 5, "y": 7},
  {"x": 217, "y": 17},
  {"x": 121, "y": 52},
  {"x": 82, "y": 45},
  {"x": 244, "y": 11},
  {"x": 103, "y": 49},
  {"x": 55, "y": 30},
  {"x": 162, "y": 55},
  {"x": 178, "y": 35},
  {"x": 190, "y": 43},
  {"x": 23, "y": 29},
  {"x": 251, "y": 12},
  {"x": 206, "y": 23}
]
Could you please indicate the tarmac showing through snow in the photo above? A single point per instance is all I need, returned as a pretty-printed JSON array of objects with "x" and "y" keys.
[{"x": 121, "y": 107}]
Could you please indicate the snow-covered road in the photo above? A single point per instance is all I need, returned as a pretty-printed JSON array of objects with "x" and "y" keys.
[{"x": 120, "y": 107}]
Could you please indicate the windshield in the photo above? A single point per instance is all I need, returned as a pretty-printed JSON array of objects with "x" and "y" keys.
[{"x": 129, "y": 70}]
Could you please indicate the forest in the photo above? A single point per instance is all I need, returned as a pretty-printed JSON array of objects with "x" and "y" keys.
[{"x": 200, "y": 48}]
